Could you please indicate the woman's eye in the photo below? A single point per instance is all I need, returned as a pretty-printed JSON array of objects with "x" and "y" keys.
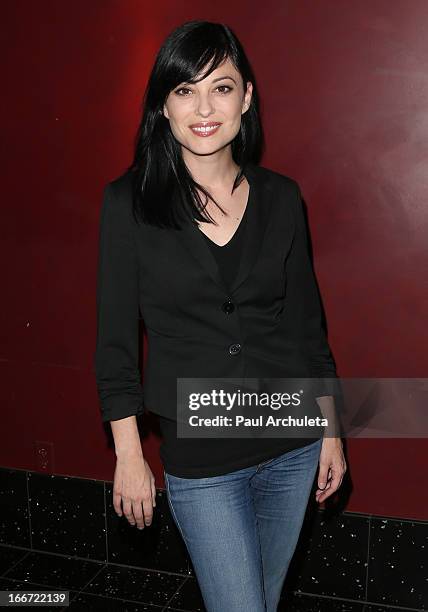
[{"x": 225, "y": 86}]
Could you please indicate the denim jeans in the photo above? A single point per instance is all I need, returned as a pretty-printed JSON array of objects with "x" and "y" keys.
[{"x": 241, "y": 528}]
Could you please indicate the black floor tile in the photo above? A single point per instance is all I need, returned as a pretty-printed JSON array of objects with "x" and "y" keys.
[
  {"x": 306, "y": 603},
  {"x": 188, "y": 597},
  {"x": 9, "y": 556},
  {"x": 67, "y": 515},
  {"x": 137, "y": 585},
  {"x": 54, "y": 571},
  {"x": 374, "y": 608},
  {"x": 18, "y": 585},
  {"x": 398, "y": 563},
  {"x": 85, "y": 602},
  {"x": 14, "y": 523},
  {"x": 331, "y": 557}
]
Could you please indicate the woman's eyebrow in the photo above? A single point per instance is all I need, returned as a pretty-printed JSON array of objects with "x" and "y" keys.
[
  {"x": 213, "y": 81},
  {"x": 224, "y": 77}
]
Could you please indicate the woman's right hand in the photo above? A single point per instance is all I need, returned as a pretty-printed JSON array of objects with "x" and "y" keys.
[{"x": 134, "y": 490}]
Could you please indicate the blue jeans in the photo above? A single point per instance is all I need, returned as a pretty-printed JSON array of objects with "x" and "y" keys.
[{"x": 241, "y": 528}]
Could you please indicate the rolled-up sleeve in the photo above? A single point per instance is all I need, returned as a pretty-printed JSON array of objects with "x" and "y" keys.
[
  {"x": 116, "y": 358},
  {"x": 304, "y": 307}
]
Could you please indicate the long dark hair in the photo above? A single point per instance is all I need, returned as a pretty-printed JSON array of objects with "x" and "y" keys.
[{"x": 164, "y": 192}]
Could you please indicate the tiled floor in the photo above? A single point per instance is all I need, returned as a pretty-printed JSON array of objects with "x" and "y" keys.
[{"x": 110, "y": 587}]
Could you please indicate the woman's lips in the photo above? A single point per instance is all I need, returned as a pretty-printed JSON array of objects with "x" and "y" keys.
[{"x": 205, "y": 131}]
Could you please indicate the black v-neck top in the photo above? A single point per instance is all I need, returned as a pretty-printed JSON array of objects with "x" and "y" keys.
[
  {"x": 228, "y": 256},
  {"x": 199, "y": 458}
]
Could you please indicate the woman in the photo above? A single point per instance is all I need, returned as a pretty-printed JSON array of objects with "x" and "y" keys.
[{"x": 210, "y": 250}]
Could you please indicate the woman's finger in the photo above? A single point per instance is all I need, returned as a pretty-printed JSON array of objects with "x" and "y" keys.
[
  {"x": 148, "y": 509},
  {"x": 127, "y": 511},
  {"x": 117, "y": 503},
  {"x": 333, "y": 485},
  {"x": 153, "y": 493},
  {"x": 138, "y": 514}
]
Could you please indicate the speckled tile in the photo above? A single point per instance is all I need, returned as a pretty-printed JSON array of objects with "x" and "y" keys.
[
  {"x": 188, "y": 597},
  {"x": 137, "y": 585},
  {"x": 306, "y": 603},
  {"x": 9, "y": 556},
  {"x": 331, "y": 556},
  {"x": 14, "y": 523},
  {"x": 374, "y": 608},
  {"x": 54, "y": 570},
  {"x": 84, "y": 601},
  {"x": 158, "y": 547},
  {"x": 17, "y": 585},
  {"x": 67, "y": 515},
  {"x": 398, "y": 568}
]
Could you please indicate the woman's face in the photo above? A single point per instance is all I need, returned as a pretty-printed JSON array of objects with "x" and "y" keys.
[{"x": 206, "y": 116}]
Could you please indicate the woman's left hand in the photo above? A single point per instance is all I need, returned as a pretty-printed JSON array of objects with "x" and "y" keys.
[{"x": 332, "y": 468}]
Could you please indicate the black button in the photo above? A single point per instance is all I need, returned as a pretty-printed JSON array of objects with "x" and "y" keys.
[
  {"x": 234, "y": 349},
  {"x": 228, "y": 307}
]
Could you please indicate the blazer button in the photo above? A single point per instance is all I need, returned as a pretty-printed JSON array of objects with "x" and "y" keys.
[
  {"x": 234, "y": 349},
  {"x": 228, "y": 307}
]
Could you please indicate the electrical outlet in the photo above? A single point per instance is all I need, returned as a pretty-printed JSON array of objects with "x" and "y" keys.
[{"x": 44, "y": 456}]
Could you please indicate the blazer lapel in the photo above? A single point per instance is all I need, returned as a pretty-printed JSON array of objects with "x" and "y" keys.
[
  {"x": 258, "y": 215},
  {"x": 259, "y": 204}
]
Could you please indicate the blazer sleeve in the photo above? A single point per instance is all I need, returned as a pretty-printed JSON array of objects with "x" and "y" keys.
[
  {"x": 116, "y": 358},
  {"x": 304, "y": 306}
]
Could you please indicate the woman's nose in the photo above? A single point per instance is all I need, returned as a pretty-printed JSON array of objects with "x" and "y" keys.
[{"x": 204, "y": 105}]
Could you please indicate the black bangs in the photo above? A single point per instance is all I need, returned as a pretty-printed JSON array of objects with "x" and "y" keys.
[{"x": 197, "y": 46}]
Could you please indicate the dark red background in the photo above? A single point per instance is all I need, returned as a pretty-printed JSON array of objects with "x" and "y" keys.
[{"x": 344, "y": 93}]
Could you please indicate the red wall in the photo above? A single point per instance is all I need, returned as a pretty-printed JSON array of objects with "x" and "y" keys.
[{"x": 344, "y": 93}]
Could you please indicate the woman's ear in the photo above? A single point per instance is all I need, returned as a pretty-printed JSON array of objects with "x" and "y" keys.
[
  {"x": 247, "y": 97},
  {"x": 165, "y": 111}
]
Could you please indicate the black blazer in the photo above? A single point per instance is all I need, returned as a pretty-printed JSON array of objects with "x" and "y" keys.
[{"x": 268, "y": 325}]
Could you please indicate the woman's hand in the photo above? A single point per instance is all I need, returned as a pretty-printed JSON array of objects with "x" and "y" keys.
[
  {"x": 332, "y": 468},
  {"x": 134, "y": 488}
]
